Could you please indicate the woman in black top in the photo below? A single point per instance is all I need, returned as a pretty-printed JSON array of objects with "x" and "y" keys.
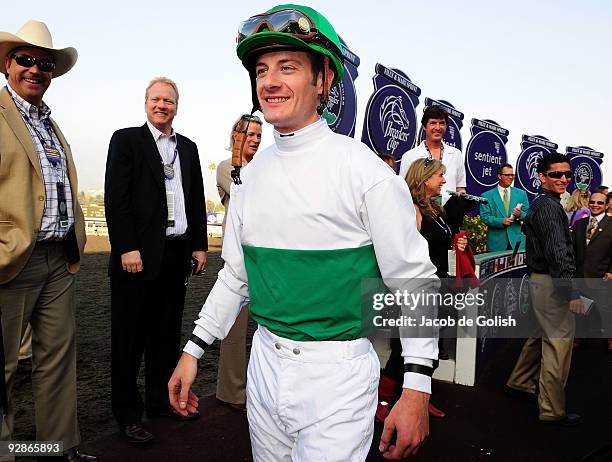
[{"x": 425, "y": 179}]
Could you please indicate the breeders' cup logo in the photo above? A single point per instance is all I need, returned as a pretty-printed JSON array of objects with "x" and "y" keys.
[
  {"x": 390, "y": 116},
  {"x": 532, "y": 168},
  {"x": 527, "y": 169},
  {"x": 394, "y": 122},
  {"x": 512, "y": 301},
  {"x": 334, "y": 104},
  {"x": 583, "y": 175},
  {"x": 340, "y": 112}
]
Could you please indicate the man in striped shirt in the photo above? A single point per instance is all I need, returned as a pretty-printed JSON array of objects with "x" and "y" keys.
[
  {"x": 544, "y": 362},
  {"x": 155, "y": 210}
]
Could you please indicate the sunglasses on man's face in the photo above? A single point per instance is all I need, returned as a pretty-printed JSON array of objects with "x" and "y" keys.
[
  {"x": 597, "y": 202},
  {"x": 44, "y": 65},
  {"x": 559, "y": 175}
]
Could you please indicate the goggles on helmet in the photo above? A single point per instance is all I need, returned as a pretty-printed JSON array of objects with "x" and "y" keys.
[{"x": 289, "y": 21}]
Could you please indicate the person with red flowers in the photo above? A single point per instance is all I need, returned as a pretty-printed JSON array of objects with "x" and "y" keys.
[{"x": 425, "y": 178}]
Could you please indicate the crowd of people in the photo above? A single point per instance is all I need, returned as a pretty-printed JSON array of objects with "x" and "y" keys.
[{"x": 312, "y": 388}]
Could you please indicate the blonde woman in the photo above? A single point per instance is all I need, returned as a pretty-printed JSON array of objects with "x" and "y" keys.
[
  {"x": 578, "y": 206},
  {"x": 425, "y": 178}
]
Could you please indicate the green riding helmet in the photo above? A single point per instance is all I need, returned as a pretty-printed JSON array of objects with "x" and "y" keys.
[{"x": 293, "y": 27}]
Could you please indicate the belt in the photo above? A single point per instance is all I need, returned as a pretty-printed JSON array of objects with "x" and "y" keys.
[
  {"x": 50, "y": 242},
  {"x": 182, "y": 237}
]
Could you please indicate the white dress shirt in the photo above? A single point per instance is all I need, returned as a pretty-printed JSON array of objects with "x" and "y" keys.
[
  {"x": 452, "y": 159},
  {"x": 166, "y": 146}
]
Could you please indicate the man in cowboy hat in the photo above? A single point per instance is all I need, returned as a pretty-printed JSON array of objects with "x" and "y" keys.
[
  {"x": 339, "y": 217},
  {"x": 42, "y": 233}
]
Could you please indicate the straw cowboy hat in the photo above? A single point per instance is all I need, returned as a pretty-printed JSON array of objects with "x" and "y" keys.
[{"x": 36, "y": 34}]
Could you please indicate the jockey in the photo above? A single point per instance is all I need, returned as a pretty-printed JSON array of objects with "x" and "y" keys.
[{"x": 315, "y": 215}]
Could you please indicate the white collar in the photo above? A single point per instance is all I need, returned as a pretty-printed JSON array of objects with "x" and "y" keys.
[
  {"x": 157, "y": 134},
  {"x": 302, "y": 139}
]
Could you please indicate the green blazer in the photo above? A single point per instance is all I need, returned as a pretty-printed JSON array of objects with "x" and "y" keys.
[{"x": 499, "y": 237}]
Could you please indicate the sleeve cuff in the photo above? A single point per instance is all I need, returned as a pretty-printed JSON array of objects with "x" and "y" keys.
[
  {"x": 193, "y": 350},
  {"x": 414, "y": 381},
  {"x": 418, "y": 382}
]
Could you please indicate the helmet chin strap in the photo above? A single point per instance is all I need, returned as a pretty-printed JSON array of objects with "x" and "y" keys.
[
  {"x": 241, "y": 135},
  {"x": 254, "y": 99},
  {"x": 325, "y": 95}
]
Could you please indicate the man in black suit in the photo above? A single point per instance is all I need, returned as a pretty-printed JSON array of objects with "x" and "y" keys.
[
  {"x": 155, "y": 210},
  {"x": 593, "y": 249}
]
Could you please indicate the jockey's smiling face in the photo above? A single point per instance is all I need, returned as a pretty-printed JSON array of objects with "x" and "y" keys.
[
  {"x": 434, "y": 130},
  {"x": 286, "y": 90}
]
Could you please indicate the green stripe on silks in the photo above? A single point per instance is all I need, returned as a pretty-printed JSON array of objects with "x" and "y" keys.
[{"x": 309, "y": 295}]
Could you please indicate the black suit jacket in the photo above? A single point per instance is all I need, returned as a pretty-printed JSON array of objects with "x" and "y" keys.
[
  {"x": 594, "y": 259},
  {"x": 135, "y": 200}
]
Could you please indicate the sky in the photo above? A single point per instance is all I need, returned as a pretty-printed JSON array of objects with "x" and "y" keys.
[{"x": 536, "y": 68}]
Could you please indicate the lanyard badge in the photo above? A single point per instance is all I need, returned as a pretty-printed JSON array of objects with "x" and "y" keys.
[
  {"x": 62, "y": 206},
  {"x": 431, "y": 155},
  {"x": 170, "y": 203}
]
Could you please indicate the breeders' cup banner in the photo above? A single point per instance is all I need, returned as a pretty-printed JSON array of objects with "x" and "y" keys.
[
  {"x": 341, "y": 110},
  {"x": 452, "y": 136},
  {"x": 485, "y": 152},
  {"x": 390, "y": 125},
  {"x": 586, "y": 166},
  {"x": 533, "y": 148}
]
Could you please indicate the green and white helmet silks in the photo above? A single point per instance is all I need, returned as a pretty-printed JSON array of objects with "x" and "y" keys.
[{"x": 292, "y": 27}]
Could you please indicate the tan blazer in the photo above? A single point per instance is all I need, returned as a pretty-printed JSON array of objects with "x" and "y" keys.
[{"x": 22, "y": 195}]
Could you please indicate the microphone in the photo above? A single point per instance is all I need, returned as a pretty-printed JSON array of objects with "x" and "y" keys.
[{"x": 480, "y": 200}]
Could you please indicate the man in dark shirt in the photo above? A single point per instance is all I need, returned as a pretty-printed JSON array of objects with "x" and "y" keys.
[{"x": 544, "y": 362}]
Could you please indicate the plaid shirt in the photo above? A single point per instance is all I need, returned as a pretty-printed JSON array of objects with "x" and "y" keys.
[{"x": 50, "y": 229}]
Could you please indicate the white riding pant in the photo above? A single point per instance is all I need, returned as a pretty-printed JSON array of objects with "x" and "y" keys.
[{"x": 311, "y": 401}]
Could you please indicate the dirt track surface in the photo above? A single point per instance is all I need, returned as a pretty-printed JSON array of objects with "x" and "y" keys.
[
  {"x": 482, "y": 423},
  {"x": 93, "y": 346}
]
